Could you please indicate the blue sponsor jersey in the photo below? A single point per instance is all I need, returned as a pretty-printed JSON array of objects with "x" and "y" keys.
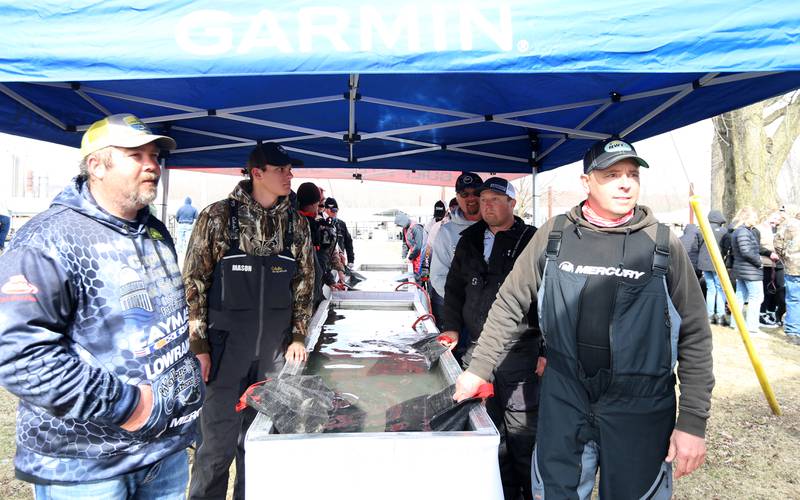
[{"x": 90, "y": 307}]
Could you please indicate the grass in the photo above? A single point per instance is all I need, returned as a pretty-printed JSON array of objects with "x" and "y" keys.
[{"x": 751, "y": 453}]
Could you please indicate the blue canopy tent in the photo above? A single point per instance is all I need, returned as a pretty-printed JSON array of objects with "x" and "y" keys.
[{"x": 513, "y": 86}]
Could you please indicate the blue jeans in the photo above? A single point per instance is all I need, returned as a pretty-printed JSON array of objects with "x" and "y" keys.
[
  {"x": 715, "y": 296},
  {"x": 791, "y": 320},
  {"x": 751, "y": 292},
  {"x": 184, "y": 232},
  {"x": 164, "y": 480}
]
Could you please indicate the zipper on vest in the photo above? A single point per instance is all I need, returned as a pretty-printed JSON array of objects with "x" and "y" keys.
[
  {"x": 611, "y": 334},
  {"x": 260, "y": 312}
]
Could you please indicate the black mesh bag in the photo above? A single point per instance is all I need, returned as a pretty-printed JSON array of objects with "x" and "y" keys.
[
  {"x": 435, "y": 412},
  {"x": 296, "y": 404},
  {"x": 430, "y": 348}
]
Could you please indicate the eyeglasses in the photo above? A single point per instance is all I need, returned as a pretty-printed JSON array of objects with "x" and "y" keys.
[{"x": 467, "y": 194}]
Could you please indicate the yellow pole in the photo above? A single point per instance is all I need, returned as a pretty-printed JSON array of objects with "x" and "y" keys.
[{"x": 736, "y": 310}]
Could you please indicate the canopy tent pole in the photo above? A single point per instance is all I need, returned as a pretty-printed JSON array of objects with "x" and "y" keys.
[
  {"x": 352, "y": 137},
  {"x": 164, "y": 190},
  {"x": 534, "y": 198}
]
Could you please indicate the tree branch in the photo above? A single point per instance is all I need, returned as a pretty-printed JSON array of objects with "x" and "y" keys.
[{"x": 787, "y": 133}]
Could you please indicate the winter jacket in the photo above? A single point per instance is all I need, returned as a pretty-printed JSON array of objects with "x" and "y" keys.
[
  {"x": 187, "y": 213},
  {"x": 746, "y": 259},
  {"x": 444, "y": 247},
  {"x": 344, "y": 239},
  {"x": 261, "y": 233},
  {"x": 90, "y": 307},
  {"x": 472, "y": 283},
  {"x": 717, "y": 222},
  {"x": 767, "y": 246},
  {"x": 520, "y": 290},
  {"x": 413, "y": 236},
  {"x": 787, "y": 245},
  {"x": 691, "y": 241}
]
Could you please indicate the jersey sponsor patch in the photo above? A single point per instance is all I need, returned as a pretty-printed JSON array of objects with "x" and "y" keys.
[
  {"x": 569, "y": 267},
  {"x": 155, "y": 234}
]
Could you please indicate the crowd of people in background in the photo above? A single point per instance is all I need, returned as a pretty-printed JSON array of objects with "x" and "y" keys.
[{"x": 762, "y": 259}]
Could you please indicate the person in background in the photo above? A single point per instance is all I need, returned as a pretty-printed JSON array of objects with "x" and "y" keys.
[
  {"x": 323, "y": 238},
  {"x": 484, "y": 256},
  {"x": 620, "y": 309},
  {"x": 343, "y": 238},
  {"x": 774, "y": 305},
  {"x": 431, "y": 230},
  {"x": 787, "y": 246},
  {"x": 185, "y": 217},
  {"x": 93, "y": 331},
  {"x": 715, "y": 296},
  {"x": 747, "y": 265},
  {"x": 452, "y": 206},
  {"x": 249, "y": 277},
  {"x": 691, "y": 240},
  {"x": 413, "y": 240},
  {"x": 464, "y": 215},
  {"x": 5, "y": 224}
]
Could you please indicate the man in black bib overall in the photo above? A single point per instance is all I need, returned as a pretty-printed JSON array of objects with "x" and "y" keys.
[
  {"x": 249, "y": 274},
  {"x": 619, "y": 306}
]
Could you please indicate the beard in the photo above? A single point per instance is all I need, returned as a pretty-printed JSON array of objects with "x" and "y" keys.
[{"x": 142, "y": 196}]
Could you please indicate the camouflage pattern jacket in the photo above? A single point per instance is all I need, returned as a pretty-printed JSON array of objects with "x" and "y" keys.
[
  {"x": 262, "y": 232},
  {"x": 787, "y": 245}
]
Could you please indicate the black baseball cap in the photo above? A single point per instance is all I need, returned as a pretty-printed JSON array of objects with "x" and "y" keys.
[
  {"x": 607, "y": 152},
  {"x": 499, "y": 185},
  {"x": 271, "y": 153},
  {"x": 438, "y": 209},
  {"x": 468, "y": 180},
  {"x": 331, "y": 203}
]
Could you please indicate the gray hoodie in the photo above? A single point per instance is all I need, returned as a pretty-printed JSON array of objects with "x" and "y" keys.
[{"x": 444, "y": 247}]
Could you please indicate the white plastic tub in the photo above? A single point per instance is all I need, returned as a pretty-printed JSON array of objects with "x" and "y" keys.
[{"x": 375, "y": 465}]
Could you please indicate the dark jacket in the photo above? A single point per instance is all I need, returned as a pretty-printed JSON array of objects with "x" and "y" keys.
[
  {"x": 717, "y": 222},
  {"x": 691, "y": 241},
  {"x": 472, "y": 284},
  {"x": 746, "y": 258},
  {"x": 92, "y": 306},
  {"x": 344, "y": 239}
]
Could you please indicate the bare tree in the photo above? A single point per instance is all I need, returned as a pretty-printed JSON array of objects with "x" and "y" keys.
[
  {"x": 524, "y": 198},
  {"x": 750, "y": 147}
]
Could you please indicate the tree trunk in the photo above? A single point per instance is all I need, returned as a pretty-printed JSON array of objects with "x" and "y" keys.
[{"x": 750, "y": 147}]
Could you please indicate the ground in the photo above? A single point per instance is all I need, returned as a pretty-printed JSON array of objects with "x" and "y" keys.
[{"x": 752, "y": 454}]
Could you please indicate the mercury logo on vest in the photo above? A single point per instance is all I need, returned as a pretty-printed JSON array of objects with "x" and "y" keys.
[
  {"x": 242, "y": 267},
  {"x": 569, "y": 267}
]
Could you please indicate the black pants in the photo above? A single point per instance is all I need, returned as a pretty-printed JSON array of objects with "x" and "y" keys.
[
  {"x": 517, "y": 438},
  {"x": 774, "y": 292},
  {"x": 223, "y": 429},
  {"x": 514, "y": 410}
]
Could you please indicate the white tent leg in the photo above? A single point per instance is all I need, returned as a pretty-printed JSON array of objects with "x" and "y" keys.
[
  {"x": 534, "y": 198},
  {"x": 164, "y": 192}
]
